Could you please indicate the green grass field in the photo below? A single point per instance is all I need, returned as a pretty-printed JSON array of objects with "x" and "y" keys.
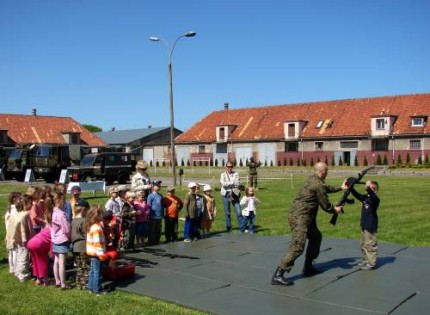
[{"x": 403, "y": 217}]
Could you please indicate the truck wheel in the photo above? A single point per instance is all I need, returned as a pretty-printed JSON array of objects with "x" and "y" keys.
[
  {"x": 85, "y": 178},
  {"x": 123, "y": 178}
]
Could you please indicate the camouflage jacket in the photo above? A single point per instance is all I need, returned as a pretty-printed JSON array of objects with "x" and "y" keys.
[{"x": 314, "y": 194}]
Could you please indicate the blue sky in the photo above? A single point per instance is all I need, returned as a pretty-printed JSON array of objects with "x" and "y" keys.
[{"x": 92, "y": 60}]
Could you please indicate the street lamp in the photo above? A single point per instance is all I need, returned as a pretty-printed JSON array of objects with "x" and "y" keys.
[{"x": 170, "y": 50}]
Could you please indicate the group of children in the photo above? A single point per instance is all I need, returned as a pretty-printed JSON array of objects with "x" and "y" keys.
[{"x": 41, "y": 224}]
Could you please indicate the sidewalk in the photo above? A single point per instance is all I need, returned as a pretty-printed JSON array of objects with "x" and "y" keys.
[{"x": 230, "y": 274}]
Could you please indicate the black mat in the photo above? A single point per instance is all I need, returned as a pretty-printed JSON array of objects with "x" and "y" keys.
[{"x": 230, "y": 274}]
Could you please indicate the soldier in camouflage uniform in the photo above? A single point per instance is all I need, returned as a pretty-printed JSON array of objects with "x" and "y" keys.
[{"x": 302, "y": 220}]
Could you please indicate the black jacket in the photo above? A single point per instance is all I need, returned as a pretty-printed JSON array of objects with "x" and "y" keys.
[{"x": 369, "y": 216}]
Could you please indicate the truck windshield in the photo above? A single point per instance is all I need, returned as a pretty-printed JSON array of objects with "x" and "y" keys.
[
  {"x": 16, "y": 154},
  {"x": 88, "y": 160},
  {"x": 43, "y": 152}
]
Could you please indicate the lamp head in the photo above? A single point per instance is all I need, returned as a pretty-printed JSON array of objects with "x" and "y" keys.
[
  {"x": 154, "y": 38},
  {"x": 190, "y": 34}
]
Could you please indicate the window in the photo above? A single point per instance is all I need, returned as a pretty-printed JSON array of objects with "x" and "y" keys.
[
  {"x": 380, "y": 123},
  {"x": 380, "y": 145},
  {"x": 291, "y": 146},
  {"x": 222, "y": 133},
  {"x": 415, "y": 144},
  {"x": 201, "y": 149},
  {"x": 319, "y": 125},
  {"x": 319, "y": 146},
  {"x": 291, "y": 130},
  {"x": 418, "y": 122},
  {"x": 349, "y": 144}
]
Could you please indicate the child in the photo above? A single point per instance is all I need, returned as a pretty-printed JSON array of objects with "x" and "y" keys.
[
  {"x": 109, "y": 231},
  {"x": 128, "y": 221},
  {"x": 60, "y": 234},
  {"x": 96, "y": 248},
  {"x": 67, "y": 205},
  {"x": 40, "y": 246},
  {"x": 190, "y": 226},
  {"x": 209, "y": 212},
  {"x": 248, "y": 204},
  {"x": 19, "y": 232},
  {"x": 156, "y": 213},
  {"x": 172, "y": 204},
  {"x": 76, "y": 195},
  {"x": 11, "y": 210},
  {"x": 200, "y": 208},
  {"x": 369, "y": 224},
  {"x": 79, "y": 236},
  {"x": 36, "y": 212},
  {"x": 142, "y": 215},
  {"x": 112, "y": 204}
]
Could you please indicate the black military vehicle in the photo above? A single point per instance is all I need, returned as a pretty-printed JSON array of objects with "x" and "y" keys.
[{"x": 109, "y": 166}]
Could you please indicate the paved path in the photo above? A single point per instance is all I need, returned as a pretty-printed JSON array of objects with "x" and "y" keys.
[{"x": 230, "y": 274}]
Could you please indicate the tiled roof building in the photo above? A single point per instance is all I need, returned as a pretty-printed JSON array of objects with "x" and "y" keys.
[
  {"x": 342, "y": 131},
  {"x": 35, "y": 129}
]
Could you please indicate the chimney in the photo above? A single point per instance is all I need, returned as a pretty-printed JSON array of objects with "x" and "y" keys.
[
  {"x": 34, "y": 111},
  {"x": 149, "y": 126},
  {"x": 225, "y": 105},
  {"x": 112, "y": 129}
]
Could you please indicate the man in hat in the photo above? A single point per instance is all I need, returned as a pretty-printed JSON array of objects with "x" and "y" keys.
[
  {"x": 156, "y": 213},
  {"x": 172, "y": 205},
  {"x": 253, "y": 174},
  {"x": 141, "y": 180}
]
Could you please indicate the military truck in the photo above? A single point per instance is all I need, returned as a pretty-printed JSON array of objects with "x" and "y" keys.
[
  {"x": 46, "y": 160},
  {"x": 108, "y": 166}
]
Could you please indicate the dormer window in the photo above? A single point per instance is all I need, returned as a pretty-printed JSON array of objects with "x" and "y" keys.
[
  {"x": 292, "y": 129},
  {"x": 380, "y": 123},
  {"x": 417, "y": 121},
  {"x": 223, "y": 133}
]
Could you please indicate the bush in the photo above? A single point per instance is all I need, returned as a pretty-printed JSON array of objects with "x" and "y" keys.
[
  {"x": 385, "y": 160},
  {"x": 378, "y": 160},
  {"x": 365, "y": 163},
  {"x": 399, "y": 161}
]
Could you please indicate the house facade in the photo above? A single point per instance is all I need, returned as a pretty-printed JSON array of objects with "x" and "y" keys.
[{"x": 362, "y": 131}]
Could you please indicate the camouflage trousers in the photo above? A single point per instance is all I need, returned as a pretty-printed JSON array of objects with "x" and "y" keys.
[
  {"x": 82, "y": 270},
  {"x": 302, "y": 227}
]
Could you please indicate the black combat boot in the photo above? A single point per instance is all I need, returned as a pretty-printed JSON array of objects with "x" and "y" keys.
[
  {"x": 278, "y": 278},
  {"x": 309, "y": 270}
]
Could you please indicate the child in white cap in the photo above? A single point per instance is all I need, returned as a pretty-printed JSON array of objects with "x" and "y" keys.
[{"x": 209, "y": 211}]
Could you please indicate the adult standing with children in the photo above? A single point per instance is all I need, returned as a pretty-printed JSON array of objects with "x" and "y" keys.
[
  {"x": 141, "y": 181},
  {"x": 230, "y": 191},
  {"x": 302, "y": 220}
]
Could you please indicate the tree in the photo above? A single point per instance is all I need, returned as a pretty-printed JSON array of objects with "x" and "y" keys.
[
  {"x": 92, "y": 128},
  {"x": 356, "y": 161},
  {"x": 378, "y": 160},
  {"x": 385, "y": 160},
  {"x": 365, "y": 163},
  {"x": 408, "y": 160},
  {"x": 311, "y": 162},
  {"x": 291, "y": 162},
  {"x": 399, "y": 161}
]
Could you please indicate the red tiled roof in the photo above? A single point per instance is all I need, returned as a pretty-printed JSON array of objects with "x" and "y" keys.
[
  {"x": 350, "y": 117},
  {"x": 25, "y": 129}
]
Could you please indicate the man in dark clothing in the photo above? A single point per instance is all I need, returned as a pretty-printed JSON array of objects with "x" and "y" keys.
[
  {"x": 253, "y": 174},
  {"x": 302, "y": 220},
  {"x": 369, "y": 224}
]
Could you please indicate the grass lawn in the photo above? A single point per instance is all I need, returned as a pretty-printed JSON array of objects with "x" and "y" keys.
[{"x": 403, "y": 217}]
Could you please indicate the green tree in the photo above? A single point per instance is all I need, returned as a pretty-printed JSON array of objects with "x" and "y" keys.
[
  {"x": 385, "y": 160},
  {"x": 356, "y": 161},
  {"x": 408, "y": 160},
  {"x": 312, "y": 162},
  {"x": 92, "y": 128},
  {"x": 365, "y": 162},
  {"x": 399, "y": 161},
  {"x": 291, "y": 162},
  {"x": 378, "y": 160}
]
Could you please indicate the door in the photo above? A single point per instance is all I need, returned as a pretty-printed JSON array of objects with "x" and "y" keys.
[
  {"x": 182, "y": 155},
  {"x": 148, "y": 155},
  {"x": 242, "y": 154},
  {"x": 267, "y": 154}
]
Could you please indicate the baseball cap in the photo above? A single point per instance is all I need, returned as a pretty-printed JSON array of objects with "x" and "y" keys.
[
  {"x": 156, "y": 182},
  {"x": 82, "y": 203},
  {"x": 75, "y": 190}
]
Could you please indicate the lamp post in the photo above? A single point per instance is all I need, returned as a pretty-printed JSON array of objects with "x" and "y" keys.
[{"x": 170, "y": 50}]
